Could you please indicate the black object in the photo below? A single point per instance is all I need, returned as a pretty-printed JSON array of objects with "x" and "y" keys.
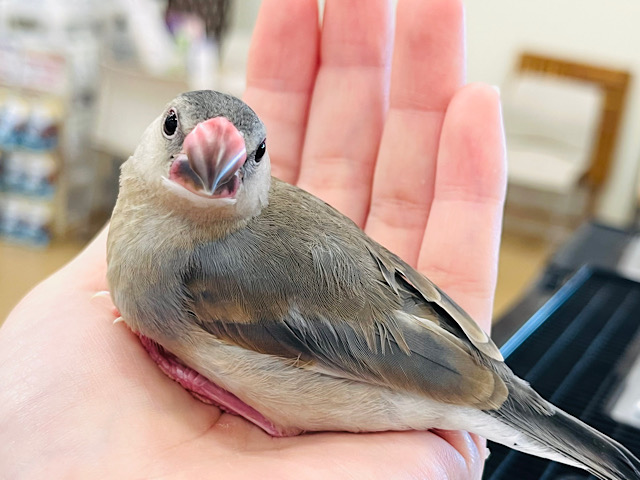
[
  {"x": 592, "y": 244},
  {"x": 216, "y": 14},
  {"x": 569, "y": 352}
]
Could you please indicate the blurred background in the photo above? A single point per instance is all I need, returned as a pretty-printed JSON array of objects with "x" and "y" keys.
[{"x": 72, "y": 72}]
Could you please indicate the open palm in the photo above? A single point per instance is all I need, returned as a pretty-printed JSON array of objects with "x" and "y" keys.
[{"x": 391, "y": 138}]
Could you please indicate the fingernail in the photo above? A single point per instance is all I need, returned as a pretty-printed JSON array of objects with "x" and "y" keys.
[{"x": 496, "y": 88}]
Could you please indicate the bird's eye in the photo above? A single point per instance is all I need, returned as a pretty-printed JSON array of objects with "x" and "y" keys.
[
  {"x": 260, "y": 151},
  {"x": 170, "y": 124}
]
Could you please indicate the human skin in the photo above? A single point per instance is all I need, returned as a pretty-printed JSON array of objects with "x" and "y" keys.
[{"x": 391, "y": 137}]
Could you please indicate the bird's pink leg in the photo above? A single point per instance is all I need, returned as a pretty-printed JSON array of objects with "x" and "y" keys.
[
  {"x": 206, "y": 391},
  {"x": 201, "y": 387}
]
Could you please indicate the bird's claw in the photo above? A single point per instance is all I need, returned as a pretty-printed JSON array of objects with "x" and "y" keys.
[
  {"x": 101, "y": 294},
  {"x": 106, "y": 294}
]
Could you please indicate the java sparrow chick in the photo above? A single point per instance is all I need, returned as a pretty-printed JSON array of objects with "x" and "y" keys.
[{"x": 261, "y": 298}]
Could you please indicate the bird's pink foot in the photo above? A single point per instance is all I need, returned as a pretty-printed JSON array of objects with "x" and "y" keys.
[
  {"x": 206, "y": 391},
  {"x": 201, "y": 387}
]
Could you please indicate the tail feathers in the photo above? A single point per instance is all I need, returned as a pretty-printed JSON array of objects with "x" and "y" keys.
[{"x": 552, "y": 433}]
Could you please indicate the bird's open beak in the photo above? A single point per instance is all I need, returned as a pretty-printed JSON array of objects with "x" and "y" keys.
[{"x": 212, "y": 156}]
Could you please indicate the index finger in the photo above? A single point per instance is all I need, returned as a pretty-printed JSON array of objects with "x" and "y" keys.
[{"x": 281, "y": 72}]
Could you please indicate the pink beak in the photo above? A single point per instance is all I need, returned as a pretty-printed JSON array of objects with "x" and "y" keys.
[{"x": 216, "y": 151}]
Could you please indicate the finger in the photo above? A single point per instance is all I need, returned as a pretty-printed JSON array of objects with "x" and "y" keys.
[
  {"x": 348, "y": 104},
  {"x": 392, "y": 455},
  {"x": 280, "y": 75},
  {"x": 460, "y": 248},
  {"x": 470, "y": 446},
  {"x": 428, "y": 68}
]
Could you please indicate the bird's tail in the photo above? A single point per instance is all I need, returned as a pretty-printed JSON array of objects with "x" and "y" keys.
[{"x": 541, "y": 429}]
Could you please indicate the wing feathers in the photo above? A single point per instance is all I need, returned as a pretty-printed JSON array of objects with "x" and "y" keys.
[
  {"x": 392, "y": 267},
  {"x": 414, "y": 358}
]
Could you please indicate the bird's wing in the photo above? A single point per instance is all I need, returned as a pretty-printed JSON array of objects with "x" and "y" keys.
[
  {"x": 403, "y": 353},
  {"x": 328, "y": 298},
  {"x": 451, "y": 317},
  {"x": 400, "y": 278}
]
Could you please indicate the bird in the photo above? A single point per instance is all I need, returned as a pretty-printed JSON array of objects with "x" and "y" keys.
[{"x": 264, "y": 300}]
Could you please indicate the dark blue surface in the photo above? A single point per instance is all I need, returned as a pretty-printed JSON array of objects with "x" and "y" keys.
[{"x": 569, "y": 352}]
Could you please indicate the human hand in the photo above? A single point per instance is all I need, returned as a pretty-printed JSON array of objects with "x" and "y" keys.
[{"x": 81, "y": 398}]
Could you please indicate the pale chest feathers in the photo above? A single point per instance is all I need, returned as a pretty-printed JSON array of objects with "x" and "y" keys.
[{"x": 144, "y": 253}]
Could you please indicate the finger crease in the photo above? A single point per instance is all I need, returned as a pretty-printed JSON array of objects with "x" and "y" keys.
[
  {"x": 464, "y": 196},
  {"x": 413, "y": 214}
]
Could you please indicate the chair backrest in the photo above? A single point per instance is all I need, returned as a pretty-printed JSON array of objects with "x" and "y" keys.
[
  {"x": 614, "y": 84},
  {"x": 553, "y": 110}
]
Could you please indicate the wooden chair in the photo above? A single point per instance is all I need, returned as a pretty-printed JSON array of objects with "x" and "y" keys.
[{"x": 613, "y": 86}]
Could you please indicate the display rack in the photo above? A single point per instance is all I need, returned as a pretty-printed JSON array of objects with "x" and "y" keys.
[{"x": 49, "y": 59}]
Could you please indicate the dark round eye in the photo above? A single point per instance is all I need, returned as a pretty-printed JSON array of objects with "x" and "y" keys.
[
  {"x": 260, "y": 151},
  {"x": 170, "y": 124}
]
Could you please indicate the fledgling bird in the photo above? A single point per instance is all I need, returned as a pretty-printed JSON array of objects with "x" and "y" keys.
[{"x": 287, "y": 313}]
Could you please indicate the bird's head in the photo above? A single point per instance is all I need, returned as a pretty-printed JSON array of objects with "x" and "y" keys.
[{"x": 207, "y": 150}]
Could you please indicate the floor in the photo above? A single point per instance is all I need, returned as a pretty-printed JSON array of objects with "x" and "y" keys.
[
  {"x": 521, "y": 258},
  {"x": 22, "y": 268}
]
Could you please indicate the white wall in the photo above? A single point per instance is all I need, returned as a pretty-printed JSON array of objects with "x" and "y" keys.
[
  {"x": 596, "y": 31},
  {"x": 245, "y": 13}
]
